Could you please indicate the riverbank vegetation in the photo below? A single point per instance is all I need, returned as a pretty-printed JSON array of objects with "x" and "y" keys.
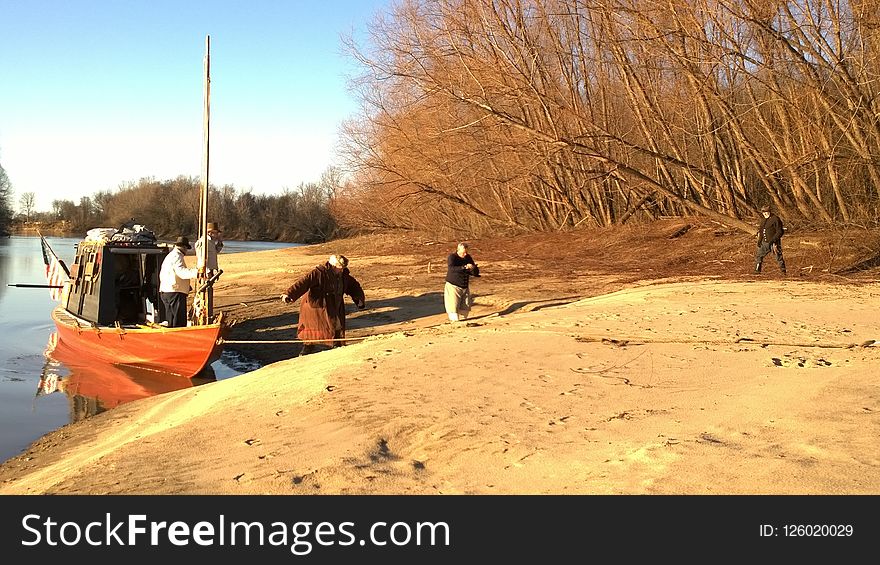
[
  {"x": 5, "y": 205},
  {"x": 485, "y": 116},
  {"x": 170, "y": 208}
]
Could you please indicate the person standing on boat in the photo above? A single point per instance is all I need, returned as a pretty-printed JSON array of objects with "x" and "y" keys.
[
  {"x": 322, "y": 310},
  {"x": 174, "y": 285},
  {"x": 215, "y": 245}
]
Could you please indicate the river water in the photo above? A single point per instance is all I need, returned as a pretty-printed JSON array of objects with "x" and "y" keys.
[{"x": 39, "y": 394}]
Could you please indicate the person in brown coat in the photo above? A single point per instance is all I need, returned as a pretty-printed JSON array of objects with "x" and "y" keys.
[{"x": 322, "y": 310}]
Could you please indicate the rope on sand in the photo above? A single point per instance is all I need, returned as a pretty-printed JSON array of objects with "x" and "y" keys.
[
  {"x": 241, "y": 341},
  {"x": 248, "y": 303}
]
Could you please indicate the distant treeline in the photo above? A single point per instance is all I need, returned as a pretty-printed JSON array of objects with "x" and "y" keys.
[
  {"x": 171, "y": 208},
  {"x": 506, "y": 115}
]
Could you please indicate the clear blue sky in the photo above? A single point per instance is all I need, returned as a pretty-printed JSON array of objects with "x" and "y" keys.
[{"x": 94, "y": 94}]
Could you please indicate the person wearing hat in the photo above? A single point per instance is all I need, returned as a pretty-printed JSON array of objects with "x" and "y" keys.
[
  {"x": 174, "y": 285},
  {"x": 322, "y": 310},
  {"x": 769, "y": 239},
  {"x": 460, "y": 267},
  {"x": 215, "y": 245},
  {"x": 209, "y": 263}
]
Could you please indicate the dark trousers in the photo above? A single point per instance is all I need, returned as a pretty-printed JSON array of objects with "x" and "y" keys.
[
  {"x": 764, "y": 249},
  {"x": 175, "y": 308}
]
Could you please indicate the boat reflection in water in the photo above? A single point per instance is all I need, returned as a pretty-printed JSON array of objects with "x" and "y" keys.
[{"x": 93, "y": 386}]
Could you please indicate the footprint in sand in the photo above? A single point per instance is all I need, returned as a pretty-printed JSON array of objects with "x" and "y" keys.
[{"x": 801, "y": 362}]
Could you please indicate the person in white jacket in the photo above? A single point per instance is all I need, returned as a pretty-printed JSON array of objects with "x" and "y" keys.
[{"x": 174, "y": 277}]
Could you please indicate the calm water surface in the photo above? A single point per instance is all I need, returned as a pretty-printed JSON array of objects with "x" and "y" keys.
[{"x": 39, "y": 394}]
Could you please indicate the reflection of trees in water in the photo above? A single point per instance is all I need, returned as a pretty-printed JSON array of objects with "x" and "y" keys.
[{"x": 4, "y": 266}]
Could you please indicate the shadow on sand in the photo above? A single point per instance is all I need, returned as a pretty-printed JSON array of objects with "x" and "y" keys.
[
  {"x": 539, "y": 304},
  {"x": 270, "y": 329}
]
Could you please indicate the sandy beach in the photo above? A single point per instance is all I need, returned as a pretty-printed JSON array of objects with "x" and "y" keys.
[{"x": 573, "y": 375}]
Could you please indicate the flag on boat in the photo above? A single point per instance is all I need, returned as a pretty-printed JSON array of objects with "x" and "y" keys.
[{"x": 56, "y": 271}]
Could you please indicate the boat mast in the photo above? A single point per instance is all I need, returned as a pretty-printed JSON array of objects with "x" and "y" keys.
[{"x": 205, "y": 312}]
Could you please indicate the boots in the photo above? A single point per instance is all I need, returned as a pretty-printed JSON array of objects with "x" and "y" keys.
[{"x": 758, "y": 269}]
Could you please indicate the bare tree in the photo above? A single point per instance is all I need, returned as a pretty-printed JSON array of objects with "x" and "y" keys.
[
  {"x": 26, "y": 203},
  {"x": 5, "y": 201},
  {"x": 480, "y": 115}
]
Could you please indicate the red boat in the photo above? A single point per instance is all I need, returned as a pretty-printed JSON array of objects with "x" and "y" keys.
[
  {"x": 179, "y": 351},
  {"x": 94, "y": 387},
  {"x": 110, "y": 305},
  {"x": 110, "y": 308}
]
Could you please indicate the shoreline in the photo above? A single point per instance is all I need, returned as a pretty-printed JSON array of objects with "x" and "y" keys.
[{"x": 698, "y": 385}]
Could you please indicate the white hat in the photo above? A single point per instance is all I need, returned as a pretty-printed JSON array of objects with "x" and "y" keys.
[{"x": 340, "y": 261}]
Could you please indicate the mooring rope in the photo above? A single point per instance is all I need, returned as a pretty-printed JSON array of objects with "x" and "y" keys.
[{"x": 255, "y": 341}]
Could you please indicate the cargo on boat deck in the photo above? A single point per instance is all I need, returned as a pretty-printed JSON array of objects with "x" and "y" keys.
[{"x": 114, "y": 282}]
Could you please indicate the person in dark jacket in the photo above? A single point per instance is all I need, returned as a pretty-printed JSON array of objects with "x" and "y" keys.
[
  {"x": 460, "y": 267},
  {"x": 322, "y": 310},
  {"x": 769, "y": 239}
]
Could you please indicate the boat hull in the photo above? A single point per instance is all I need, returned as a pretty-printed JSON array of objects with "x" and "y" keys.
[
  {"x": 179, "y": 351},
  {"x": 94, "y": 386}
]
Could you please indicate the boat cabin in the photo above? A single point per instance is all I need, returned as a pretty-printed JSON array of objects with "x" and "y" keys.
[{"x": 116, "y": 282}]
